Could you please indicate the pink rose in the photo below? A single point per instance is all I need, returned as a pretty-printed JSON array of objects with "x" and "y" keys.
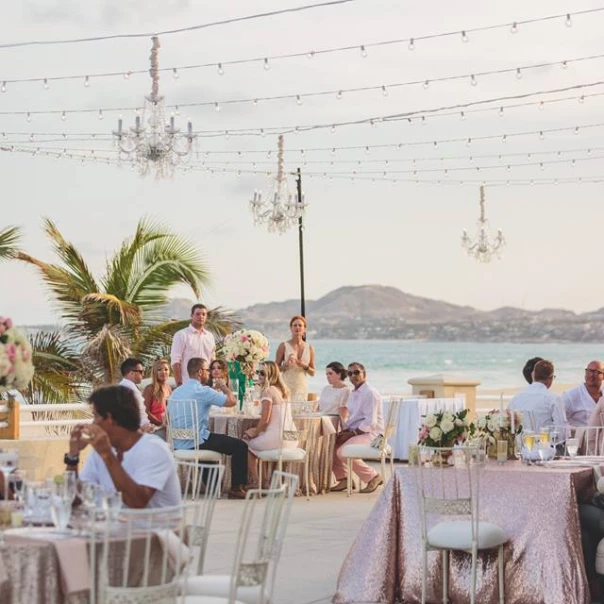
[
  {"x": 8, "y": 322},
  {"x": 11, "y": 351}
]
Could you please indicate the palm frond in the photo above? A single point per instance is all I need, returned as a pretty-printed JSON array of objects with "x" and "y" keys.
[
  {"x": 108, "y": 348},
  {"x": 9, "y": 241},
  {"x": 99, "y": 309}
]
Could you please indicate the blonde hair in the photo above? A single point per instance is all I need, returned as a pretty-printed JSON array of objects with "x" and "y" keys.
[
  {"x": 273, "y": 378},
  {"x": 156, "y": 387}
]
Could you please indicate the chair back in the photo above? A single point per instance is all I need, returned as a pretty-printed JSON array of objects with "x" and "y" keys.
[
  {"x": 391, "y": 423},
  {"x": 183, "y": 424},
  {"x": 528, "y": 421},
  {"x": 446, "y": 491},
  {"x": 255, "y": 563},
  {"x": 591, "y": 440},
  {"x": 292, "y": 418},
  {"x": 143, "y": 555},
  {"x": 209, "y": 481}
]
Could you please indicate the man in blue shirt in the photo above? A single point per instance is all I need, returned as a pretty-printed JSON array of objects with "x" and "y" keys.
[{"x": 195, "y": 389}]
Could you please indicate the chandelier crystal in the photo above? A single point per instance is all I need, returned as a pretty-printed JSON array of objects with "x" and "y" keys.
[
  {"x": 154, "y": 145},
  {"x": 482, "y": 248},
  {"x": 281, "y": 210}
]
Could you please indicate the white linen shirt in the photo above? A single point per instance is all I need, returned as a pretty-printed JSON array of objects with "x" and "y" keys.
[
  {"x": 149, "y": 462},
  {"x": 546, "y": 406},
  {"x": 578, "y": 405},
  {"x": 188, "y": 343},
  {"x": 365, "y": 410},
  {"x": 139, "y": 399}
]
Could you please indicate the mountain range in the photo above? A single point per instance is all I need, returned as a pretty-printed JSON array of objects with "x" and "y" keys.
[{"x": 382, "y": 312}]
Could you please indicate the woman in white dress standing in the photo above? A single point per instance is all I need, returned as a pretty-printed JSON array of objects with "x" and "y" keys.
[
  {"x": 296, "y": 359},
  {"x": 334, "y": 396},
  {"x": 276, "y": 417}
]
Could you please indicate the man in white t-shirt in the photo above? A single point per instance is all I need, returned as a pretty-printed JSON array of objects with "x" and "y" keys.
[
  {"x": 191, "y": 342},
  {"x": 139, "y": 466},
  {"x": 132, "y": 371}
]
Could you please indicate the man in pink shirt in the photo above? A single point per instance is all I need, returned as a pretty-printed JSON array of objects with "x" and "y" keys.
[
  {"x": 192, "y": 342},
  {"x": 365, "y": 422}
]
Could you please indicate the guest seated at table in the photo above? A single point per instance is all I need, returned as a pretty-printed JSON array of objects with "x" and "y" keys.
[
  {"x": 195, "y": 388},
  {"x": 580, "y": 402},
  {"x": 219, "y": 373},
  {"x": 132, "y": 371},
  {"x": 334, "y": 396},
  {"x": 139, "y": 466},
  {"x": 156, "y": 394},
  {"x": 365, "y": 422},
  {"x": 276, "y": 417},
  {"x": 527, "y": 370},
  {"x": 538, "y": 402}
]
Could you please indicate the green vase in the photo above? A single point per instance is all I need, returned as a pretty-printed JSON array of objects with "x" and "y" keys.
[{"x": 235, "y": 373}]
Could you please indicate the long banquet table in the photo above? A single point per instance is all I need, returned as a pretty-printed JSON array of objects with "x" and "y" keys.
[
  {"x": 321, "y": 430},
  {"x": 537, "y": 508}
]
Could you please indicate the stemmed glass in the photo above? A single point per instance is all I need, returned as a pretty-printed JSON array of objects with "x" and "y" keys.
[
  {"x": 8, "y": 462},
  {"x": 17, "y": 479},
  {"x": 529, "y": 442}
]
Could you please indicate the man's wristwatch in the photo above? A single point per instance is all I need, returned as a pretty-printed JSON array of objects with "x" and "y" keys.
[{"x": 68, "y": 460}]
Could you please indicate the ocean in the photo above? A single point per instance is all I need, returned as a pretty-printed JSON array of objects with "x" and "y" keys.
[{"x": 391, "y": 363}]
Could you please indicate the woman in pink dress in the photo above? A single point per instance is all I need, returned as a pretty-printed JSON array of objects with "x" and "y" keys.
[
  {"x": 156, "y": 395},
  {"x": 276, "y": 417}
]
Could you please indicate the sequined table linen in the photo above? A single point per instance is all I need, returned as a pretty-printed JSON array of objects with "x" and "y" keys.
[
  {"x": 535, "y": 506},
  {"x": 321, "y": 431}
]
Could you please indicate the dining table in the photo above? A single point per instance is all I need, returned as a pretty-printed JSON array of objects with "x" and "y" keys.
[
  {"x": 320, "y": 430},
  {"x": 536, "y": 506}
]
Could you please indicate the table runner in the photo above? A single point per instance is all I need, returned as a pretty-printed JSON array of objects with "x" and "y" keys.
[{"x": 536, "y": 507}]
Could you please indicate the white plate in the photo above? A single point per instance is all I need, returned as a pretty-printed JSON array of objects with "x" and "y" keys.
[{"x": 570, "y": 463}]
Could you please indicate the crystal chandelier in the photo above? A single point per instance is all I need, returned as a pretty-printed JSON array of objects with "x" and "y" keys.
[
  {"x": 482, "y": 248},
  {"x": 153, "y": 144},
  {"x": 281, "y": 210}
]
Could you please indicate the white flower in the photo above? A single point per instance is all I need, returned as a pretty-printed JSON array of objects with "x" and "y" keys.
[
  {"x": 448, "y": 416},
  {"x": 491, "y": 427},
  {"x": 430, "y": 421},
  {"x": 435, "y": 433},
  {"x": 446, "y": 426},
  {"x": 482, "y": 422}
]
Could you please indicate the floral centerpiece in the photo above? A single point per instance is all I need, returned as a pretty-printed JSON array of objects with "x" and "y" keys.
[
  {"x": 498, "y": 425},
  {"x": 16, "y": 368},
  {"x": 247, "y": 347},
  {"x": 444, "y": 429}
]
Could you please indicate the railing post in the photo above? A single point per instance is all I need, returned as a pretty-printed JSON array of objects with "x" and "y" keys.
[{"x": 10, "y": 417}]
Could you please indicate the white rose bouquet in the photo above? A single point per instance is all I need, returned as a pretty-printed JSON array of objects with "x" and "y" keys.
[
  {"x": 246, "y": 346},
  {"x": 444, "y": 429},
  {"x": 16, "y": 368},
  {"x": 496, "y": 426}
]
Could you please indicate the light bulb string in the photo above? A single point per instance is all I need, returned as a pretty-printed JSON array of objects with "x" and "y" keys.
[{"x": 276, "y": 57}]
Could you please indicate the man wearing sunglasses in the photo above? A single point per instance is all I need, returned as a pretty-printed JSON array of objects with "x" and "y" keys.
[
  {"x": 580, "y": 402},
  {"x": 365, "y": 422},
  {"x": 132, "y": 371}
]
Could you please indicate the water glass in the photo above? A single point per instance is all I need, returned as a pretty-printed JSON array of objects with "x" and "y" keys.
[
  {"x": 113, "y": 501},
  {"x": 572, "y": 446},
  {"x": 502, "y": 451},
  {"x": 60, "y": 509}
]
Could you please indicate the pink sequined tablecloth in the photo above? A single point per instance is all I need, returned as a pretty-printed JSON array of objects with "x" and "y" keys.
[{"x": 537, "y": 508}]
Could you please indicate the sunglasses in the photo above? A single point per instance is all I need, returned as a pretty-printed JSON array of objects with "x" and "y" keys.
[
  {"x": 261, "y": 372},
  {"x": 354, "y": 372},
  {"x": 141, "y": 371}
]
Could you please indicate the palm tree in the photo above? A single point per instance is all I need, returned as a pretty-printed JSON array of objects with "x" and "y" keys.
[
  {"x": 119, "y": 314},
  {"x": 9, "y": 239}
]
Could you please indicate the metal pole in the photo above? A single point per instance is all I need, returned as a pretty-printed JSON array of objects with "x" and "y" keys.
[{"x": 301, "y": 246}]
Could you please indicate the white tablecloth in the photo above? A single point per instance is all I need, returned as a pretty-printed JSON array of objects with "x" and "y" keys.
[{"x": 411, "y": 413}]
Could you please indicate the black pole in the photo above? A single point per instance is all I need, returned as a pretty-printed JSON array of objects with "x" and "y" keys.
[{"x": 301, "y": 247}]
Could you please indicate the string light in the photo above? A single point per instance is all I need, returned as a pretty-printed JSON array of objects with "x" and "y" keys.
[
  {"x": 501, "y": 113},
  {"x": 514, "y": 28},
  {"x": 464, "y": 37},
  {"x": 363, "y": 51},
  {"x": 28, "y": 116},
  {"x": 216, "y": 107},
  {"x": 175, "y": 73},
  {"x": 87, "y": 82},
  {"x": 473, "y": 80},
  {"x": 518, "y": 73},
  {"x": 266, "y": 64},
  {"x": 3, "y": 87},
  {"x": 220, "y": 69},
  {"x": 426, "y": 84},
  {"x": 411, "y": 44},
  {"x": 384, "y": 91},
  {"x": 63, "y": 116},
  {"x": 298, "y": 99},
  {"x": 568, "y": 21},
  {"x": 339, "y": 95},
  {"x": 127, "y": 75},
  {"x": 45, "y": 85},
  {"x": 101, "y": 116}
]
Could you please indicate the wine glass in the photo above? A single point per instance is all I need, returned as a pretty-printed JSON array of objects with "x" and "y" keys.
[
  {"x": 8, "y": 462},
  {"x": 17, "y": 479},
  {"x": 572, "y": 446}
]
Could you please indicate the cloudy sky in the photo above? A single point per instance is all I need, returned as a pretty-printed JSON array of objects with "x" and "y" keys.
[{"x": 364, "y": 231}]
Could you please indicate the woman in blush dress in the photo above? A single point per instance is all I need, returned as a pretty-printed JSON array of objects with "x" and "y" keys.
[
  {"x": 334, "y": 396},
  {"x": 276, "y": 417},
  {"x": 296, "y": 359},
  {"x": 219, "y": 370},
  {"x": 156, "y": 395}
]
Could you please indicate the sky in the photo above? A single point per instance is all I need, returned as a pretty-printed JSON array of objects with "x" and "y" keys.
[{"x": 402, "y": 234}]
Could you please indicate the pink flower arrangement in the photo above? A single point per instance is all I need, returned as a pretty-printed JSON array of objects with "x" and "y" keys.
[
  {"x": 16, "y": 368},
  {"x": 246, "y": 346}
]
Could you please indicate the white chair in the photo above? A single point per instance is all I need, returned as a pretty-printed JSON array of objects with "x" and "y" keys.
[
  {"x": 381, "y": 453},
  {"x": 141, "y": 556},
  {"x": 252, "y": 580},
  {"x": 454, "y": 493},
  {"x": 289, "y": 454},
  {"x": 591, "y": 440},
  {"x": 183, "y": 426}
]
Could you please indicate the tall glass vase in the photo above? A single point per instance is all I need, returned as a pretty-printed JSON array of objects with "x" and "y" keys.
[{"x": 236, "y": 374}]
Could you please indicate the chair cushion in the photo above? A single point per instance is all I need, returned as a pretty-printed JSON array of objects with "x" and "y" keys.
[
  {"x": 285, "y": 454},
  {"x": 457, "y": 534},
  {"x": 220, "y": 586},
  {"x": 197, "y": 455},
  {"x": 600, "y": 558},
  {"x": 361, "y": 452},
  {"x": 207, "y": 600}
]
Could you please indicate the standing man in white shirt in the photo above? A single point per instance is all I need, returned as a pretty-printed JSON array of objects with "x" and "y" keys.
[
  {"x": 540, "y": 406},
  {"x": 365, "y": 422},
  {"x": 580, "y": 402},
  {"x": 191, "y": 342},
  {"x": 132, "y": 371}
]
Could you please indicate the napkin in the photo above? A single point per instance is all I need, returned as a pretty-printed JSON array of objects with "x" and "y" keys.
[
  {"x": 74, "y": 564},
  {"x": 178, "y": 552}
]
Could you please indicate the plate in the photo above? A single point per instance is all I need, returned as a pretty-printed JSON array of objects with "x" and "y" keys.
[{"x": 570, "y": 463}]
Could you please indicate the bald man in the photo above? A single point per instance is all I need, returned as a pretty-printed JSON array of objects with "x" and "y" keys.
[{"x": 580, "y": 402}]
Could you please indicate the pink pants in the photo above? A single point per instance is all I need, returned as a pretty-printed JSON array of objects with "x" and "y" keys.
[{"x": 359, "y": 467}]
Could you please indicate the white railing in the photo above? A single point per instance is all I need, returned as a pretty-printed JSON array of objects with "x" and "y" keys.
[{"x": 52, "y": 420}]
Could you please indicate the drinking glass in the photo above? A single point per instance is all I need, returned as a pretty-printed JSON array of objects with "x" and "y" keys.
[
  {"x": 113, "y": 502},
  {"x": 17, "y": 479},
  {"x": 572, "y": 446},
  {"x": 8, "y": 462},
  {"x": 544, "y": 436},
  {"x": 60, "y": 510},
  {"x": 529, "y": 443},
  {"x": 502, "y": 451}
]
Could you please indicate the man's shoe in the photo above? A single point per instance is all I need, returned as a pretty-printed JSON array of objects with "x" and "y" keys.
[
  {"x": 236, "y": 493},
  {"x": 373, "y": 484},
  {"x": 340, "y": 486}
]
